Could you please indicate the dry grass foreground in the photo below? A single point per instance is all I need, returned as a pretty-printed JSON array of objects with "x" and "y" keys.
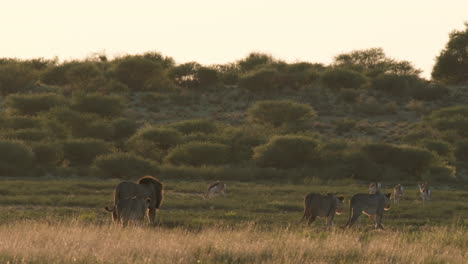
[{"x": 74, "y": 242}]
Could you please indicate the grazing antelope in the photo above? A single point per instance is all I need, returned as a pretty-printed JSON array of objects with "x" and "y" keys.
[
  {"x": 215, "y": 188},
  {"x": 425, "y": 191},
  {"x": 397, "y": 193},
  {"x": 375, "y": 188}
]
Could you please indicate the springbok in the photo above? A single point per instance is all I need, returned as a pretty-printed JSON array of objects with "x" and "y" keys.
[
  {"x": 398, "y": 191},
  {"x": 425, "y": 191},
  {"x": 215, "y": 188},
  {"x": 374, "y": 188}
]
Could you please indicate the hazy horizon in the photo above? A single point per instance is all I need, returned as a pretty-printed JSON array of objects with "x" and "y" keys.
[{"x": 216, "y": 32}]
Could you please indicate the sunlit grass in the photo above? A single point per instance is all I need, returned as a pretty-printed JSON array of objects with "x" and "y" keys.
[{"x": 76, "y": 242}]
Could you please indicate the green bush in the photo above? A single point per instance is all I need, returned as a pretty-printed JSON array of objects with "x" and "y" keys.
[
  {"x": 164, "y": 138},
  {"x": 255, "y": 60},
  {"x": 103, "y": 105},
  {"x": 343, "y": 79},
  {"x": 277, "y": 113},
  {"x": 19, "y": 122},
  {"x": 57, "y": 75},
  {"x": 195, "y": 126},
  {"x": 47, "y": 154},
  {"x": 124, "y": 128},
  {"x": 124, "y": 166},
  {"x": 442, "y": 174},
  {"x": 95, "y": 128},
  {"x": 263, "y": 80},
  {"x": 461, "y": 151},
  {"x": 429, "y": 92},
  {"x": 146, "y": 149},
  {"x": 25, "y": 134},
  {"x": 198, "y": 154},
  {"x": 15, "y": 158},
  {"x": 399, "y": 85},
  {"x": 31, "y": 104},
  {"x": 412, "y": 160},
  {"x": 84, "y": 76},
  {"x": 136, "y": 71},
  {"x": 82, "y": 152},
  {"x": 440, "y": 147},
  {"x": 16, "y": 78},
  {"x": 285, "y": 152}
]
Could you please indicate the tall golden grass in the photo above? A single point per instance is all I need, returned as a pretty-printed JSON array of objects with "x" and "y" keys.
[{"x": 74, "y": 242}]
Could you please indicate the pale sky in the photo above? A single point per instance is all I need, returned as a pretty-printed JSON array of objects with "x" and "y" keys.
[{"x": 217, "y": 31}]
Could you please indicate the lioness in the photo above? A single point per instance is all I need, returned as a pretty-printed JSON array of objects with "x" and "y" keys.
[
  {"x": 425, "y": 191},
  {"x": 215, "y": 188},
  {"x": 372, "y": 205},
  {"x": 129, "y": 210},
  {"x": 398, "y": 191},
  {"x": 322, "y": 205},
  {"x": 146, "y": 186},
  {"x": 374, "y": 188}
]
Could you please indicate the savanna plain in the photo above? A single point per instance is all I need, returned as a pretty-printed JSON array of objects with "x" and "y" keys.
[{"x": 64, "y": 221}]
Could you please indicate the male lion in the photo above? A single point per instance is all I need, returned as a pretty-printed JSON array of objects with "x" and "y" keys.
[
  {"x": 372, "y": 205},
  {"x": 129, "y": 210},
  {"x": 322, "y": 205},
  {"x": 146, "y": 186}
]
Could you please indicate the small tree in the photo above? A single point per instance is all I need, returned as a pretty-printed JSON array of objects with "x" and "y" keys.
[
  {"x": 277, "y": 113},
  {"x": 31, "y": 104},
  {"x": 82, "y": 152},
  {"x": 452, "y": 64},
  {"x": 15, "y": 158},
  {"x": 103, "y": 105}
]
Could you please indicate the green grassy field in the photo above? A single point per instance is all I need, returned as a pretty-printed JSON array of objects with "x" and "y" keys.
[
  {"x": 261, "y": 203},
  {"x": 63, "y": 221}
]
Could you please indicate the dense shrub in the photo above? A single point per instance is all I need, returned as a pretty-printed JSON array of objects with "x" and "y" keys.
[
  {"x": 287, "y": 151},
  {"x": 84, "y": 76},
  {"x": 440, "y": 147},
  {"x": 198, "y": 154},
  {"x": 461, "y": 151},
  {"x": 47, "y": 154},
  {"x": 19, "y": 122},
  {"x": 373, "y": 62},
  {"x": 146, "y": 149},
  {"x": 343, "y": 78},
  {"x": 399, "y": 85},
  {"x": 412, "y": 160},
  {"x": 164, "y": 138},
  {"x": 432, "y": 91},
  {"x": 443, "y": 174},
  {"x": 82, "y": 152},
  {"x": 25, "y": 134},
  {"x": 124, "y": 165},
  {"x": 31, "y": 104},
  {"x": 135, "y": 71},
  {"x": 255, "y": 60},
  {"x": 15, "y": 158},
  {"x": 195, "y": 126},
  {"x": 263, "y": 80},
  {"x": 15, "y": 78},
  {"x": 124, "y": 128},
  {"x": 103, "y": 105},
  {"x": 57, "y": 75},
  {"x": 94, "y": 128},
  {"x": 277, "y": 113}
]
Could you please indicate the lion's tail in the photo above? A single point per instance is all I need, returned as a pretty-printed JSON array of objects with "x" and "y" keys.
[{"x": 110, "y": 210}]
